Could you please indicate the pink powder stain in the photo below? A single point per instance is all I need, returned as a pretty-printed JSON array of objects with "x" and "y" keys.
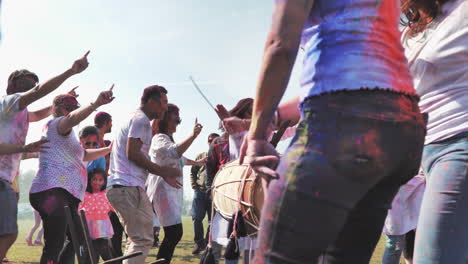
[
  {"x": 369, "y": 141},
  {"x": 49, "y": 204}
]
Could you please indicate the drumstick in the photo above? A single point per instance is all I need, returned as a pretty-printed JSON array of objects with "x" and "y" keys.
[
  {"x": 201, "y": 93},
  {"x": 278, "y": 134}
]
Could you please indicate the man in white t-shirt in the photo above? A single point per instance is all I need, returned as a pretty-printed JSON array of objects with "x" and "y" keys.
[
  {"x": 22, "y": 91},
  {"x": 129, "y": 168}
]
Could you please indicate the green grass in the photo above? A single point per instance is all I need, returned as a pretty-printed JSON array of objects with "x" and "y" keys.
[{"x": 21, "y": 253}]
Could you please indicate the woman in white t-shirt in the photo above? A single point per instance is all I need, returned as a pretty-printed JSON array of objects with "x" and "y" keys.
[
  {"x": 436, "y": 45},
  {"x": 168, "y": 201},
  {"x": 61, "y": 179}
]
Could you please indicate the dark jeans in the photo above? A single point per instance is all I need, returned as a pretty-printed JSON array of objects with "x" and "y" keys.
[
  {"x": 351, "y": 153},
  {"x": 442, "y": 234},
  {"x": 58, "y": 247},
  {"x": 118, "y": 233},
  {"x": 103, "y": 249},
  {"x": 172, "y": 236},
  {"x": 201, "y": 206}
]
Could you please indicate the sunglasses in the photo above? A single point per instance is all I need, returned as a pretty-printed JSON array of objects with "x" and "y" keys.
[{"x": 89, "y": 144}]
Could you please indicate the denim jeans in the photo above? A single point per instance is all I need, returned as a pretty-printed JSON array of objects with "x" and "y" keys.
[
  {"x": 393, "y": 249},
  {"x": 351, "y": 153},
  {"x": 396, "y": 244},
  {"x": 442, "y": 235},
  {"x": 201, "y": 206}
]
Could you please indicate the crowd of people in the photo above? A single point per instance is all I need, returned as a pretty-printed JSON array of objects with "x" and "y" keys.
[{"x": 380, "y": 142}]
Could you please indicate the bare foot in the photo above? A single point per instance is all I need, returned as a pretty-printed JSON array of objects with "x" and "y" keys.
[
  {"x": 38, "y": 243},
  {"x": 29, "y": 242}
]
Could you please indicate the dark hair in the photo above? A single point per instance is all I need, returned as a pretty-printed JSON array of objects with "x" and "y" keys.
[
  {"x": 152, "y": 92},
  {"x": 89, "y": 131},
  {"x": 11, "y": 89},
  {"x": 93, "y": 172},
  {"x": 163, "y": 123},
  {"x": 242, "y": 110},
  {"x": 101, "y": 118},
  {"x": 213, "y": 135},
  {"x": 414, "y": 21}
]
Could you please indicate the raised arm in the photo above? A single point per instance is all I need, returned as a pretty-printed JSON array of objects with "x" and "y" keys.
[
  {"x": 76, "y": 116},
  {"x": 289, "y": 17},
  {"x": 39, "y": 115},
  {"x": 184, "y": 145},
  {"x": 49, "y": 86}
]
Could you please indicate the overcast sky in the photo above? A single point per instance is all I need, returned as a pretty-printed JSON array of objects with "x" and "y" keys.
[{"x": 135, "y": 44}]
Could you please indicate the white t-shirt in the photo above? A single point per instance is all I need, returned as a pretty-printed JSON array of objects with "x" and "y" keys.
[
  {"x": 167, "y": 200},
  {"x": 438, "y": 61},
  {"x": 62, "y": 165},
  {"x": 404, "y": 214},
  {"x": 122, "y": 170},
  {"x": 14, "y": 124}
]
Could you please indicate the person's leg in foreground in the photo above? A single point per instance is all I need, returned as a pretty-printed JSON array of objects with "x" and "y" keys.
[{"x": 442, "y": 234}]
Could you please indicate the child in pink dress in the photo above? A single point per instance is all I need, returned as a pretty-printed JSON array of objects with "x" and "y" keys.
[{"x": 97, "y": 207}]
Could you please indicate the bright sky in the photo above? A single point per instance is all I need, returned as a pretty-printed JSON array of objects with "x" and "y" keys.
[{"x": 135, "y": 44}]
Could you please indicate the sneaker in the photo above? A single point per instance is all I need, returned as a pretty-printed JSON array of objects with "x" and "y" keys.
[
  {"x": 159, "y": 261},
  {"x": 198, "y": 248}
]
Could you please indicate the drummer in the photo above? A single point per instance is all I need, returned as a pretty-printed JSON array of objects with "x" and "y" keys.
[{"x": 221, "y": 151}]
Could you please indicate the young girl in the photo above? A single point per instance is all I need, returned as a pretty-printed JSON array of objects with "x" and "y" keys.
[{"x": 97, "y": 207}]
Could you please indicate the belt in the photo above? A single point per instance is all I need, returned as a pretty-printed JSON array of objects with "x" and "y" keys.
[{"x": 116, "y": 186}]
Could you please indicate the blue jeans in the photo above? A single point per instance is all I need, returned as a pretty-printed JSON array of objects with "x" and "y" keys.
[
  {"x": 396, "y": 244},
  {"x": 442, "y": 235},
  {"x": 351, "y": 153},
  {"x": 201, "y": 206}
]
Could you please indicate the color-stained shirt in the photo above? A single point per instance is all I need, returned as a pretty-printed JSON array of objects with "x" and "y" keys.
[
  {"x": 167, "y": 200},
  {"x": 14, "y": 124},
  {"x": 122, "y": 170},
  {"x": 97, "y": 208},
  {"x": 218, "y": 155},
  {"x": 62, "y": 165},
  {"x": 353, "y": 44},
  {"x": 438, "y": 61}
]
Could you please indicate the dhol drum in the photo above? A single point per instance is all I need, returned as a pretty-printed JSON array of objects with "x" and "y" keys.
[{"x": 235, "y": 188}]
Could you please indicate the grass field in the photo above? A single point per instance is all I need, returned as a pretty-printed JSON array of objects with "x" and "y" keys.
[{"x": 21, "y": 253}]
